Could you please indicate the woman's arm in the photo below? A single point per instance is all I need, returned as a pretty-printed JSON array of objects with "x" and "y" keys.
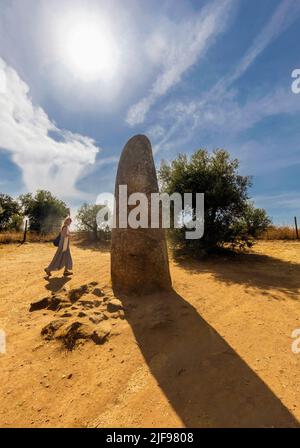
[{"x": 64, "y": 234}]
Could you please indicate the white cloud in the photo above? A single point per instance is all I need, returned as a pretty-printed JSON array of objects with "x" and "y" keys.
[
  {"x": 284, "y": 15},
  {"x": 49, "y": 157},
  {"x": 290, "y": 200},
  {"x": 218, "y": 108},
  {"x": 229, "y": 116},
  {"x": 177, "y": 47}
]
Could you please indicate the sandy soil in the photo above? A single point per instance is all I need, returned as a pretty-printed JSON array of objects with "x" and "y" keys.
[{"x": 217, "y": 352}]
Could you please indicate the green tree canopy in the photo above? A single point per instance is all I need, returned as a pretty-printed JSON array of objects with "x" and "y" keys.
[
  {"x": 87, "y": 220},
  {"x": 44, "y": 210},
  {"x": 10, "y": 213},
  {"x": 229, "y": 216}
]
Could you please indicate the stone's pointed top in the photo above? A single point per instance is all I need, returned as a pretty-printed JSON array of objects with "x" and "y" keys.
[
  {"x": 136, "y": 167},
  {"x": 139, "y": 139},
  {"x": 138, "y": 145}
]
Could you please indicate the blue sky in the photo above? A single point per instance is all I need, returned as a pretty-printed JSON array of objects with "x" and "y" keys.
[{"x": 78, "y": 78}]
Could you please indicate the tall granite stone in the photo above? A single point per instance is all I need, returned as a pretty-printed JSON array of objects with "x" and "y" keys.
[{"x": 139, "y": 258}]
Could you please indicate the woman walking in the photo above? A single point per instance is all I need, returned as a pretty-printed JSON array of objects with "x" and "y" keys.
[{"x": 62, "y": 258}]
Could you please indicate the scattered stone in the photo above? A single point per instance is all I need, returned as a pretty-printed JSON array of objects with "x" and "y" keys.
[
  {"x": 57, "y": 303},
  {"x": 86, "y": 303},
  {"x": 69, "y": 335},
  {"x": 81, "y": 314},
  {"x": 114, "y": 305},
  {"x": 100, "y": 335},
  {"x": 49, "y": 330},
  {"x": 53, "y": 303},
  {"x": 121, "y": 314},
  {"x": 93, "y": 283},
  {"x": 96, "y": 320},
  {"x": 37, "y": 347},
  {"x": 97, "y": 292},
  {"x": 76, "y": 293},
  {"x": 118, "y": 315},
  {"x": 78, "y": 330},
  {"x": 67, "y": 376},
  {"x": 39, "y": 305}
]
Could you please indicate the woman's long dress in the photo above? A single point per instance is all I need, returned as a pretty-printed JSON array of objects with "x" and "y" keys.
[{"x": 62, "y": 259}]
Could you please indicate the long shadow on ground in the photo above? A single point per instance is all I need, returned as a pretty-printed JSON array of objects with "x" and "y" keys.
[
  {"x": 204, "y": 379},
  {"x": 252, "y": 270},
  {"x": 103, "y": 246}
]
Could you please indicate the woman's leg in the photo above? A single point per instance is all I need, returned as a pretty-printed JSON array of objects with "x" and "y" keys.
[
  {"x": 57, "y": 262},
  {"x": 68, "y": 262}
]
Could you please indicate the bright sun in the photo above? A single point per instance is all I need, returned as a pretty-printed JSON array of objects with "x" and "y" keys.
[{"x": 88, "y": 48}]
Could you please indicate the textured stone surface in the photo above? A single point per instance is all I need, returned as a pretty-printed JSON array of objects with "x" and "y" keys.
[{"x": 139, "y": 258}]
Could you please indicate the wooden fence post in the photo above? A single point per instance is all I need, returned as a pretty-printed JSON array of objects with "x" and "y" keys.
[
  {"x": 25, "y": 232},
  {"x": 296, "y": 227}
]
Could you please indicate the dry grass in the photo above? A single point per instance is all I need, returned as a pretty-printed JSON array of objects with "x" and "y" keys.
[
  {"x": 279, "y": 233},
  {"x": 17, "y": 237},
  {"x": 86, "y": 238}
]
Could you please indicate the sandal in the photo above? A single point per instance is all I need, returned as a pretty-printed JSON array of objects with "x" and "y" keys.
[{"x": 66, "y": 273}]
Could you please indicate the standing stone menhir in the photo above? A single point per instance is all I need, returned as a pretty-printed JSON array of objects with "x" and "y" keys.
[{"x": 139, "y": 258}]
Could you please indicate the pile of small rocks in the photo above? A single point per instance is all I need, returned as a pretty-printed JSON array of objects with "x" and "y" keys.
[{"x": 84, "y": 313}]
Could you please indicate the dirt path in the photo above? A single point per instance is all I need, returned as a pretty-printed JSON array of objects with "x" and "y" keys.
[{"x": 215, "y": 353}]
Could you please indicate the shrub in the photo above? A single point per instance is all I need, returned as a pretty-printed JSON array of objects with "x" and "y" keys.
[{"x": 229, "y": 216}]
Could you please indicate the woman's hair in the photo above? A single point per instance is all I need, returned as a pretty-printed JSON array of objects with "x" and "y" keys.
[{"x": 67, "y": 221}]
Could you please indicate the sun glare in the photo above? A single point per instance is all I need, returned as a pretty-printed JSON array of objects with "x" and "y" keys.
[{"x": 89, "y": 49}]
